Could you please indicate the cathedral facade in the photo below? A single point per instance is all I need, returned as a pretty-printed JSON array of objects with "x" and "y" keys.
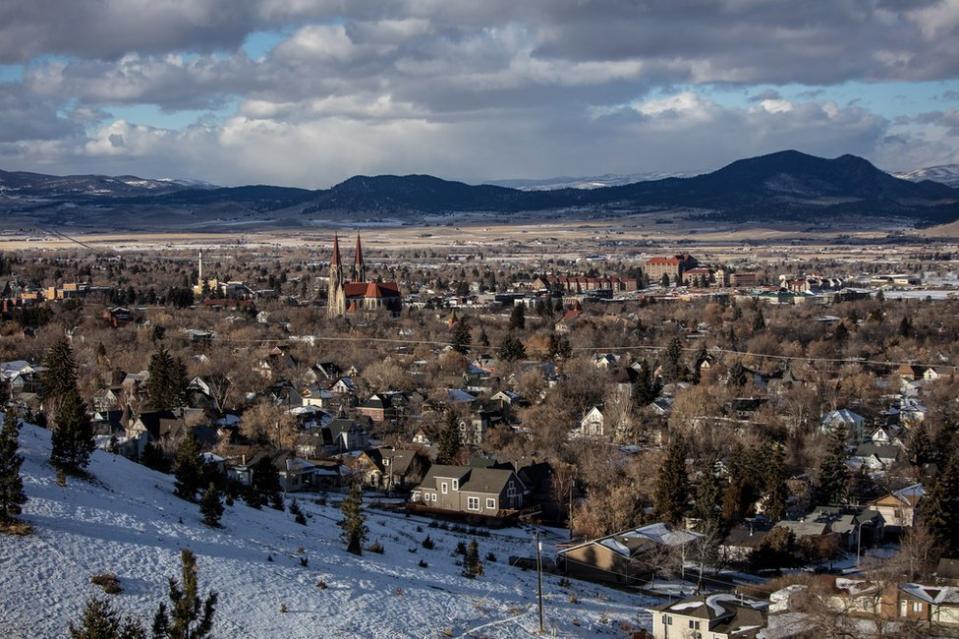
[{"x": 356, "y": 294}]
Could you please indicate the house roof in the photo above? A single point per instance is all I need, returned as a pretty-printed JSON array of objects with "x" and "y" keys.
[
  {"x": 629, "y": 543},
  {"x": 725, "y": 613},
  {"x": 479, "y": 480}
]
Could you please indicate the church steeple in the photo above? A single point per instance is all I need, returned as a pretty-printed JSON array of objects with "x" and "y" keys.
[
  {"x": 359, "y": 268},
  {"x": 335, "y": 295},
  {"x": 335, "y": 260}
]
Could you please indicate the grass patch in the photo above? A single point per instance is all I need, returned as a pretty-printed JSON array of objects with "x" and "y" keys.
[
  {"x": 15, "y": 528},
  {"x": 109, "y": 582}
]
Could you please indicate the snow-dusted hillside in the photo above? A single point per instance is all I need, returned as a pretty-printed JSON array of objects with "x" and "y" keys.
[
  {"x": 947, "y": 174},
  {"x": 128, "y": 522}
]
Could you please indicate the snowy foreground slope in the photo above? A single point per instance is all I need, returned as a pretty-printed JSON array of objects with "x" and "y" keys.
[{"x": 128, "y": 522}]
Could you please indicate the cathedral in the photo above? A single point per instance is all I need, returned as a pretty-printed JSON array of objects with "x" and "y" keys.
[{"x": 357, "y": 294}]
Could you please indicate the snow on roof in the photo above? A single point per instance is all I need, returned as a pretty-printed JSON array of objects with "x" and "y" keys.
[{"x": 715, "y": 602}]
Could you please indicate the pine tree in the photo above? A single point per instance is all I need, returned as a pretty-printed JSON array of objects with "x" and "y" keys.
[
  {"x": 101, "y": 621},
  {"x": 353, "y": 523},
  {"x": 759, "y": 322},
  {"x": 511, "y": 348},
  {"x": 517, "y": 317},
  {"x": 905, "y": 327},
  {"x": 645, "y": 390},
  {"x": 11, "y": 485},
  {"x": 483, "y": 338},
  {"x": 472, "y": 566},
  {"x": 919, "y": 448},
  {"x": 833, "y": 482},
  {"x": 188, "y": 468},
  {"x": 777, "y": 490},
  {"x": 153, "y": 457},
  {"x": 939, "y": 509},
  {"x": 709, "y": 493},
  {"x": 737, "y": 374},
  {"x": 166, "y": 387},
  {"x": 461, "y": 337},
  {"x": 297, "y": 513},
  {"x": 72, "y": 439},
  {"x": 59, "y": 378},
  {"x": 672, "y": 487},
  {"x": 664, "y": 280},
  {"x": 188, "y": 617},
  {"x": 672, "y": 367},
  {"x": 211, "y": 507},
  {"x": 701, "y": 356},
  {"x": 448, "y": 447},
  {"x": 266, "y": 482}
]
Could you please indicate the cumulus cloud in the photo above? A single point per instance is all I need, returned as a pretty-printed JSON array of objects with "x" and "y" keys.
[{"x": 469, "y": 89}]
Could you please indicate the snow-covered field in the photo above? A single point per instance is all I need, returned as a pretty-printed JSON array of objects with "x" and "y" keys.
[{"x": 128, "y": 522}]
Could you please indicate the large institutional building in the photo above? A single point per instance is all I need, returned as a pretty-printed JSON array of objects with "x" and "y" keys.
[{"x": 356, "y": 294}]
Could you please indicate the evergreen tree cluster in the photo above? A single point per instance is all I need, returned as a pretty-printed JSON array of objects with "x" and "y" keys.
[
  {"x": 188, "y": 616},
  {"x": 12, "y": 496},
  {"x": 167, "y": 385},
  {"x": 72, "y": 438}
]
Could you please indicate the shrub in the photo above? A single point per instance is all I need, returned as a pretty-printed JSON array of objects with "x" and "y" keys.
[
  {"x": 423, "y": 564},
  {"x": 376, "y": 547},
  {"x": 109, "y": 582},
  {"x": 428, "y": 543}
]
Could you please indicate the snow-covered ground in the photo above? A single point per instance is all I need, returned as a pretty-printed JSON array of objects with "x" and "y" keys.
[{"x": 128, "y": 522}]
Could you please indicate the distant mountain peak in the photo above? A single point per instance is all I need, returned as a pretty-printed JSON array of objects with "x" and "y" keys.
[{"x": 947, "y": 174}]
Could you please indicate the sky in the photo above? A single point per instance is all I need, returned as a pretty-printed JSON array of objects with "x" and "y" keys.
[{"x": 310, "y": 92}]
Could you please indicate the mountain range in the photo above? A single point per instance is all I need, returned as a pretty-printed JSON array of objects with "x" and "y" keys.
[
  {"x": 947, "y": 174},
  {"x": 787, "y": 185}
]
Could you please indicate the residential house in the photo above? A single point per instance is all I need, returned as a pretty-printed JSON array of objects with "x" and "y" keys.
[
  {"x": 391, "y": 468},
  {"x": 163, "y": 428},
  {"x": 488, "y": 492},
  {"x": 898, "y": 508},
  {"x": 314, "y": 395},
  {"x": 624, "y": 557},
  {"x": 716, "y": 616},
  {"x": 20, "y": 376},
  {"x": 854, "y": 423},
  {"x": 592, "y": 424},
  {"x": 347, "y": 435},
  {"x": 344, "y": 386},
  {"x": 875, "y": 458},
  {"x": 378, "y": 407}
]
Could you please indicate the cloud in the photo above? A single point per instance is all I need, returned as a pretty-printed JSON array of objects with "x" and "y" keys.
[{"x": 469, "y": 89}]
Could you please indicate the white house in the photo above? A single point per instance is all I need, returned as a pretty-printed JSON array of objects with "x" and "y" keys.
[
  {"x": 593, "y": 424},
  {"x": 853, "y": 422}
]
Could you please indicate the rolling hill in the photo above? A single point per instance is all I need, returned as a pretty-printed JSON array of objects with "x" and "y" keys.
[
  {"x": 127, "y": 521},
  {"x": 788, "y": 185}
]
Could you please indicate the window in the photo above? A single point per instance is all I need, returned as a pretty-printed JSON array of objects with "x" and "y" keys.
[
  {"x": 444, "y": 488},
  {"x": 917, "y": 606},
  {"x": 490, "y": 503},
  {"x": 433, "y": 497},
  {"x": 456, "y": 484},
  {"x": 472, "y": 503}
]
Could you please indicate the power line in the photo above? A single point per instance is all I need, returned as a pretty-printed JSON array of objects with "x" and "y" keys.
[{"x": 795, "y": 358}]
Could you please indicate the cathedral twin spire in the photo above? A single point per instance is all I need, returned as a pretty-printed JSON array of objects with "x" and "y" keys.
[{"x": 336, "y": 296}]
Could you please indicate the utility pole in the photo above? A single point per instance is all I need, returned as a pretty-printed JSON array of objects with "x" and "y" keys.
[{"x": 539, "y": 580}]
